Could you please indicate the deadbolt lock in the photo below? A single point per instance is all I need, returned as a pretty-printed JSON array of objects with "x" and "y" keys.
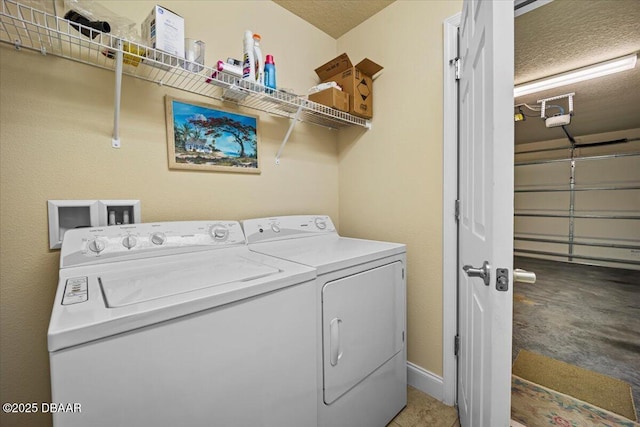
[{"x": 502, "y": 279}]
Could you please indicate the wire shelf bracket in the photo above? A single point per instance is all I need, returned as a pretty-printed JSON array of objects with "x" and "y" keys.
[
  {"x": 115, "y": 141},
  {"x": 286, "y": 137}
]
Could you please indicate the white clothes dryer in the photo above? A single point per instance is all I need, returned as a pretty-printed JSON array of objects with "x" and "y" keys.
[
  {"x": 179, "y": 324},
  {"x": 362, "y": 371}
]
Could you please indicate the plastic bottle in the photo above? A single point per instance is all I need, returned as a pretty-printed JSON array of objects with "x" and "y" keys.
[
  {"x": 270, "y": 73},
  {"x": 248, "y": 61},
  {"x": 234, "y": 70},
  {"x": 257, "y": 55},
  {"x": 227, "y": 68}
]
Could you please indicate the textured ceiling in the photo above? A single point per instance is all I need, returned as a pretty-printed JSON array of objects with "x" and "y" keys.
[
  {"x": 568, "y": 34},
  {"x": 334, "y": 17}
]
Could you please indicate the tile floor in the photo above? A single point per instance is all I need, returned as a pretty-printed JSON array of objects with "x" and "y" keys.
[{"x": 424, "y": 411}]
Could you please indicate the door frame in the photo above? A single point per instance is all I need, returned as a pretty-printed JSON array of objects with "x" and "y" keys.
[{"x": 449, "y": 223}]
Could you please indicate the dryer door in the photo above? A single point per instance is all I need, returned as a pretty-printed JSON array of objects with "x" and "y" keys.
[{"x": 363, "y": 326}]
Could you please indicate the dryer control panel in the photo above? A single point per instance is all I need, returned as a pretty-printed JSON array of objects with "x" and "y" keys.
[
  {"x": 133, "y": 241},
  {"x": 287, "y": 227}
]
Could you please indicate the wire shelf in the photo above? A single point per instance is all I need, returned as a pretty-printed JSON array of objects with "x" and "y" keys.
[{"x": 27, "y": 28}]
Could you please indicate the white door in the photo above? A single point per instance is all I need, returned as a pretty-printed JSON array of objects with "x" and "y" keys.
[{"x": 486, "y": 212}]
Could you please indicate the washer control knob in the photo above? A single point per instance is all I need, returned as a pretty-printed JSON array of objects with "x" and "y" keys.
[
  {"x": 129, "y": 241},
  {"x": 96, "y": 245},
  {"x": 321, "y": 223},
  {"x": 275, "y": 228},
  {"x": 158, "y": 238},
  {"x": 219, "y": 233}
]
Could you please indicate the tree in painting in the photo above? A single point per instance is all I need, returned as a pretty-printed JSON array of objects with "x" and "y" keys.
[{"x": 217, "y": 126}]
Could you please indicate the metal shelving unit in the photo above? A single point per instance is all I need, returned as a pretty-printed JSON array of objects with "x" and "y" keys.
[{"x": 27, "y": 28}]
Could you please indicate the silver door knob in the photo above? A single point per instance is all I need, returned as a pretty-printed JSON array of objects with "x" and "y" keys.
[
  {"x": 524, "y": 276},
  {"x": 484, "y": 272}
]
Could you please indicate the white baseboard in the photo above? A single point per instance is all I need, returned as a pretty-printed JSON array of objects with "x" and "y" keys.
[{"x": 425, "y": 381}]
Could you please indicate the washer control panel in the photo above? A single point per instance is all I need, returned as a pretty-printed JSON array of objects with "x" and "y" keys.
[
  {"x": 131, "y": 241},
  {"x": 75, "y": 291},
  {"x": 287, "y": 227}
]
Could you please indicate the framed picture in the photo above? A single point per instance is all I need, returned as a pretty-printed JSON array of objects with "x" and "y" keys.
[{"x": 202, "y": 137}]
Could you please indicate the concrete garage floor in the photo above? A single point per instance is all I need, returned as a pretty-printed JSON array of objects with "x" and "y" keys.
[{"x": 584, "y": 315}]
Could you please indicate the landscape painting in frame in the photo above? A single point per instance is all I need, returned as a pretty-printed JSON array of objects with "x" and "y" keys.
[{"x": 202, "y": 137}]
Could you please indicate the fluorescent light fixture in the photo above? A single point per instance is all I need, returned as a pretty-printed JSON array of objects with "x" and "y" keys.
[{"x": 581, "y": 74}]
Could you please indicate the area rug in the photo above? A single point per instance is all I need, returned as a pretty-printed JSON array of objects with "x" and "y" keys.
[
  {"x": 535, "y": 406},
  {"x": 602, "y": 391}
]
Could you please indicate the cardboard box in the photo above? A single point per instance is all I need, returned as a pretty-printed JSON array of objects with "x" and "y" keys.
[
  {"x": 164, "y": 30},
  {"x": 356, "y": 81},
  {"x": 333, "y": 98}
]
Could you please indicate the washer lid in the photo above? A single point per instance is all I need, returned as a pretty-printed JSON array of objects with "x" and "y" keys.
[{"x": 126, "y": 287}]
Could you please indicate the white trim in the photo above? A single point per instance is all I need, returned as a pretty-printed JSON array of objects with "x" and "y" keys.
[
  {"x": 449, "y": 226},
  {"x": 425, "y": 381}
]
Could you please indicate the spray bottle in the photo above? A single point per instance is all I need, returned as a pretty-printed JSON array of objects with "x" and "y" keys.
[
  {"x": 249, "y": 60},
  {"x": 257, "y": 54}
]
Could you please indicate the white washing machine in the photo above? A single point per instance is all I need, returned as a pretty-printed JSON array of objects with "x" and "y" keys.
[
  {"x": 362, "y": 372},
  {"x": 179, "y": 324}
]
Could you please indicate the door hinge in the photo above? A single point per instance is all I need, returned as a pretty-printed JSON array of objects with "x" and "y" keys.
[
  {"x": 456, "y": 62},
  {"x": 456, "y": 211},
  {"x": 456, "y": 345},
  {"x": 403, "y": 273}
]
